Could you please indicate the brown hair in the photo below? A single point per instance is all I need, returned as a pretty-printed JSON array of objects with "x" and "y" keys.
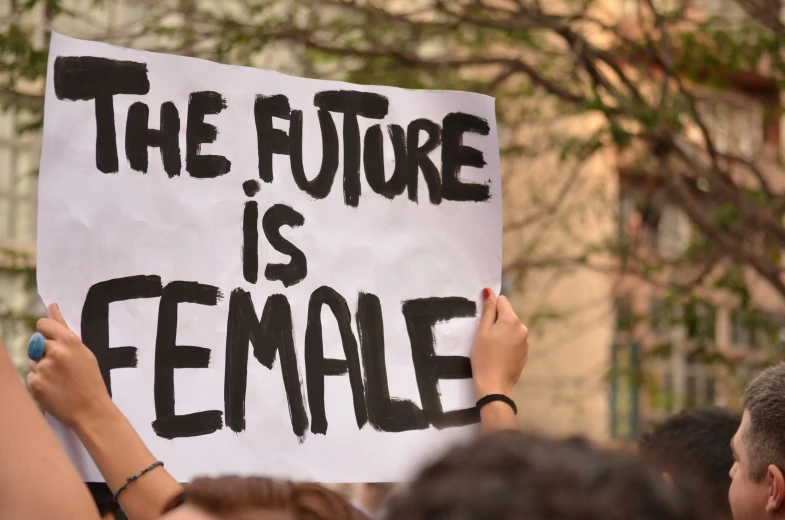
[
  {"x": 245, "y": 498},
  {"x": 764, "y": 438},
  {"x": 513, "y": 475}
]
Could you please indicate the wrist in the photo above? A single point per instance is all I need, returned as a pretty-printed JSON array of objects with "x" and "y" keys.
[
  {"x": 103, "y": 411},
  {"x": 483, "y": 389},
  {"x": 497, "y": 416}
]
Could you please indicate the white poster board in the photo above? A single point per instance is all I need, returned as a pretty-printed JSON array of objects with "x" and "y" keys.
[{"x": 278, "y": 276}]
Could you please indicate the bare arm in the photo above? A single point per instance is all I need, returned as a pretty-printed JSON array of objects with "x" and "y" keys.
[
  {"x": 497, "y": 416},
  {"x": 499, "y": 353},
  {"x": 119, "y": 453},
  {"x": 68, "y": 383},
  {"x": 37, "y": 481}
]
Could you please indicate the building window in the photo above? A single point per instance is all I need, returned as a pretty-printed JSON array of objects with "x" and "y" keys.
[
  {"x": 673, "y": 232},
  {"x": 648, "y": 220},
  {"x": 670, "y": 392},
  {"x": 639, "y": 215},
  {"x": 698, "y": 388},
  {"x": 742, "y": 329},
  {"x": 700, "y": 385},
  {"x": 755, "y": 329},
  {"x": 700, "y": 320},
  {"x": 660, "y": 389},
  {"x": 625, "y": 384},
  {"x": 711, "y": 390},
  {"x": 625, "y": 318},
  {"x": 691, "y": 392},
  {"x": 659, "y": 316},
  {"x": 772, "y": 331}
]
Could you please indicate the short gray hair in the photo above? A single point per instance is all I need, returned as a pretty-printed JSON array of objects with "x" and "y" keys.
[{"x": 764, "y": 438}]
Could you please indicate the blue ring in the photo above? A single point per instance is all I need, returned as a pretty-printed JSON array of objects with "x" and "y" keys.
[{"x": 36, "y": 347}]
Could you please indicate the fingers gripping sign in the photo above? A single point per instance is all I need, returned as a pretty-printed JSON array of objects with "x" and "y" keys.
[
  {"x": 54, "y": 313},
  {"x": 65, "y": 379},
  {"x": 36, "y": 347},
  {"x": 488, "y": 317},
  {"x": 500, "y": 348},
  {"x": 54, "y": 327},
  {"x": 498, "y": 355}
]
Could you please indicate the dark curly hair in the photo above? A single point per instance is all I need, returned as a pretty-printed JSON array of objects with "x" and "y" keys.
[
  {"x": 694, "y": 447},
  {"x": 514, "y": 476}
]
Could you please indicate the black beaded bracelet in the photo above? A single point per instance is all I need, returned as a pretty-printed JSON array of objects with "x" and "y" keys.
[
  {"x": 129, "y": 480},
  {"x": 497, "y": 397}
]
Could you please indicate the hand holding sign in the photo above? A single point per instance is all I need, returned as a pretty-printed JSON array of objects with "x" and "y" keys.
[
  {"x": 499, "y": 353},
  {"x": 500, "y": 349},
  {"x": 67, "y": 380}
]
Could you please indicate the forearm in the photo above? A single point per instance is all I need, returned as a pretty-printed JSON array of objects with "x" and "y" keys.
[
  {"x": 497, "y": 416},
  {"x": 37, "y": 480},
  {"x": 119, "y": 453}
]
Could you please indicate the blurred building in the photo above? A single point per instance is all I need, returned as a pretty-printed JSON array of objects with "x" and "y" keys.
[
  {"x": 624, "y": 356},
  {"x": 19, "y": 154},
  {"x": 704, "y": 350}
]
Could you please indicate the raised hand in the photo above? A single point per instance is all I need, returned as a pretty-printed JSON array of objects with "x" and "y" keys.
[
  {"x": 499, "y": 353},
  {"x": 500, "y": 349},
  {"x": 66, "y": 380}
]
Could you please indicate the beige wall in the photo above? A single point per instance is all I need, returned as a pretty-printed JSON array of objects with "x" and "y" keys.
[{"x": 569, "y": 310}]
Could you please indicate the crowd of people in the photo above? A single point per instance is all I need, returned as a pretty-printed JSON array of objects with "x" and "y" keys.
[{"x": 703, "y": 464}]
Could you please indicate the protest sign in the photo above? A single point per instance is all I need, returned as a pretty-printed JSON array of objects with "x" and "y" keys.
[{"x": 277, "y": 275}]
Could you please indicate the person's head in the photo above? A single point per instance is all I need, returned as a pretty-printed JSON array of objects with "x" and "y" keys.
[
  {"x": 694, "y": 446},
  {"x": 371, "y": 497},
  {"x": 513, "y": 475},
  {"x": 257, "y": 498},
  {"x": 383, "y": 488},
  {"x": 104, "y": 500},
  {"x": 757, "y": 488}
]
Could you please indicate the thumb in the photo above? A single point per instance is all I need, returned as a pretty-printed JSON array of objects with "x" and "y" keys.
[
  {"x": 54, "y": 313},
  {"x": 488, "y": 317}
]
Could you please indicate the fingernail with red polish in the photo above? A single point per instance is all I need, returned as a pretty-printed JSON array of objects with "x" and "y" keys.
[{"x": 486, "y": 293}]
